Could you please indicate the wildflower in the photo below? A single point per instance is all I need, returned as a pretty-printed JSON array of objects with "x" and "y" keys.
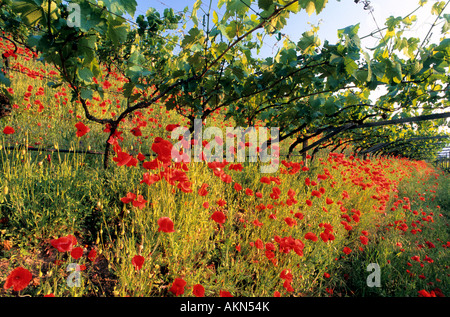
[
  {"x": 64, "y": 244},
  {"x": 139, "y": 202},
  {"x": 138, "y": 261},
  {"x": 171, "y": 127},
  {"x": 92, "y": 255},
  {"x": 19, "y": 278},
  {"x": 76, "y": 253},
  {"x": 128, "y": 198},
  {"x": 290, "y": 222},
  {"x": 165, "y": 225},
  {"x": 316, "y": 193},
  {"x": 221, "y": 202},
  {"x": 136, "y": 131},
  {"x": 218, "y": 217},
  {"x": 225, "y": 294},
  {"x": 364, "y": 240},
  {"x": 259, "y": 244},
  {"x": 311, "y": 236},
  {"x": 164, "y": 150},
  {"x": 424, "y": 293},
  {"x": 178, "y": 287},
  {"x": 8, "y": 130},
  {"x": 198, "y": 290},
  {"x": 82, "y": 129},
  {"x": 122, "y": 158},
  {"x": 347, "y": 250},
  {"x": 307, "y": 181}
]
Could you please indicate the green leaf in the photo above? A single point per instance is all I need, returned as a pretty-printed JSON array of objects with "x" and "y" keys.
[
  {"x": 86, "y": 93},
  {"x": 30, "y": 11},
  {"x": 197, "y": 5},
  {"x": 85, "y": 74},
  {"x": 117, "y": 30},
  {"x": 238, "y": 7},
  {"x": 5, "y": 80},
  {"x": 350, "y": 31},
  {"x": 312, "y": 6},
  {"x": 308, "y": 42},
  {"x": 320, "y": 5},
  {"x": 121, "y": 6},
  {"x": 265, "y": 4},
  {"x": 92, "y": 19}
]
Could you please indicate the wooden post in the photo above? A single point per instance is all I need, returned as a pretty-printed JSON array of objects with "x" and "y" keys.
[{"x": 305, "y": 144}]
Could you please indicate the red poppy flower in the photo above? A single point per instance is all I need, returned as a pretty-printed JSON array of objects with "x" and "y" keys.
[
  {"x": 64, "y": 244},
  {"x": 237, "y": 187},
  {"x": 218, "y": 217},
  {"x": 76, "y": 253},
  {"x": 106, "y": 84},
  {"x": 82, "y": 129},
  {"x": 138, "y": 261},
  {"x": 202, "y": 191},
  {"x": 139, "y": 202},
  {"x": 259, "y": 244},
  {"x": 290, "y": 222},
  {"x": 364, "y": 240},
  {"x": 307, "y": 181},
  {"x": 347, "y": 250},
  {"x": 164, "y": 150},
  {"x": 198, "y": 290},
  {"x": 141, "y": 157},
  {"x": 248, "y": 192},
  {"x": 178, "y": 287},
  {"x": 225, "y": 294},
  {"x": 257, "y": 223},
  {"x": 287, "y": 285},
  {"x": 8, "y": 130},
  {"x": 128, "y": 198},
  {"x": 286, "y": 275},
  {"x": 171, "y": 127},
  {"x": 309, "y": 202},
  {"x": 19, "y": 278},
  {"x": 316, "y": 193},
  {"x": 424, "y": 293},
  {"x": 311, "y": 236},
  {"x": 299, "y": 215},
  {"x": 221, "y": 202},
  {"x": 165, "y": 225},
  {"x": 329, "y": 201},
  {"x": 136, "y": 131},
  {"x": 92, "y": 255},
  {"x": 150, "y": 179}
]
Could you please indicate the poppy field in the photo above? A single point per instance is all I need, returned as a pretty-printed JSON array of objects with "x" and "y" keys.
[
  {"x": 152, "y": 227},
  {"x": 94, "y": 203}
]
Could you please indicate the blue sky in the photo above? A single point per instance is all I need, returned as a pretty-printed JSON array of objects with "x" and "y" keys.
[{"x": 336, "y": 15}]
